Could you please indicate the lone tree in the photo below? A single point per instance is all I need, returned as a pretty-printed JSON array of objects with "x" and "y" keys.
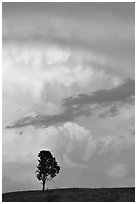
[{"x": 47, "y": 168}]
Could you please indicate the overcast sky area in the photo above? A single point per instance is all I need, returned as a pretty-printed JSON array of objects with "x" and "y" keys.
[{"x": 68, "y": 87}]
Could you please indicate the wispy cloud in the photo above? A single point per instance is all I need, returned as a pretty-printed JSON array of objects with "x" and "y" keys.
[
  {"x": 77, "y": 106},
  {"x": 116, "y": 94}
]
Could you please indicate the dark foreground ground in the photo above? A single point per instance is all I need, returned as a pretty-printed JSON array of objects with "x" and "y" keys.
[{"x": 73, "y": 195}]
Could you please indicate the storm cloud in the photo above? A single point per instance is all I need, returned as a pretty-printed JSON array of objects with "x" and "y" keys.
[{"x": 68, "y": 86}]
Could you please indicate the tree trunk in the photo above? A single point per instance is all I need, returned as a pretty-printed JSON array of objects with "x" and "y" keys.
[{"x": 43, "y": 189}]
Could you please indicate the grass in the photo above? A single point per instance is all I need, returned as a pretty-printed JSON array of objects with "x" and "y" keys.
[{"x": 73, "y": 195}]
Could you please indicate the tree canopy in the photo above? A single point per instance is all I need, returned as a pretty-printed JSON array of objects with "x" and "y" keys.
[{"x": 47, "y": 168}]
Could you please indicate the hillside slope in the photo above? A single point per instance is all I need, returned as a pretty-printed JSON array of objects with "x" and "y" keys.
[{"x": 73, "y": 195}]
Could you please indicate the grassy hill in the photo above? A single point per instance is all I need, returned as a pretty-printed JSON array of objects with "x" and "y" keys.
[{"x": 73, "y": 195}]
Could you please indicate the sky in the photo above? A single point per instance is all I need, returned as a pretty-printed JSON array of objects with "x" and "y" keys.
[{"x": 68, "y": 87}]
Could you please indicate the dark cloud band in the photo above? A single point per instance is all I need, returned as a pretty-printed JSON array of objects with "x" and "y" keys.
[{"x": 79, "y": 106}]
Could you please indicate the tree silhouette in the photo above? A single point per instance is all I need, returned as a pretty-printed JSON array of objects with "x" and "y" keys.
[{"x": 47, "y": 168}]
